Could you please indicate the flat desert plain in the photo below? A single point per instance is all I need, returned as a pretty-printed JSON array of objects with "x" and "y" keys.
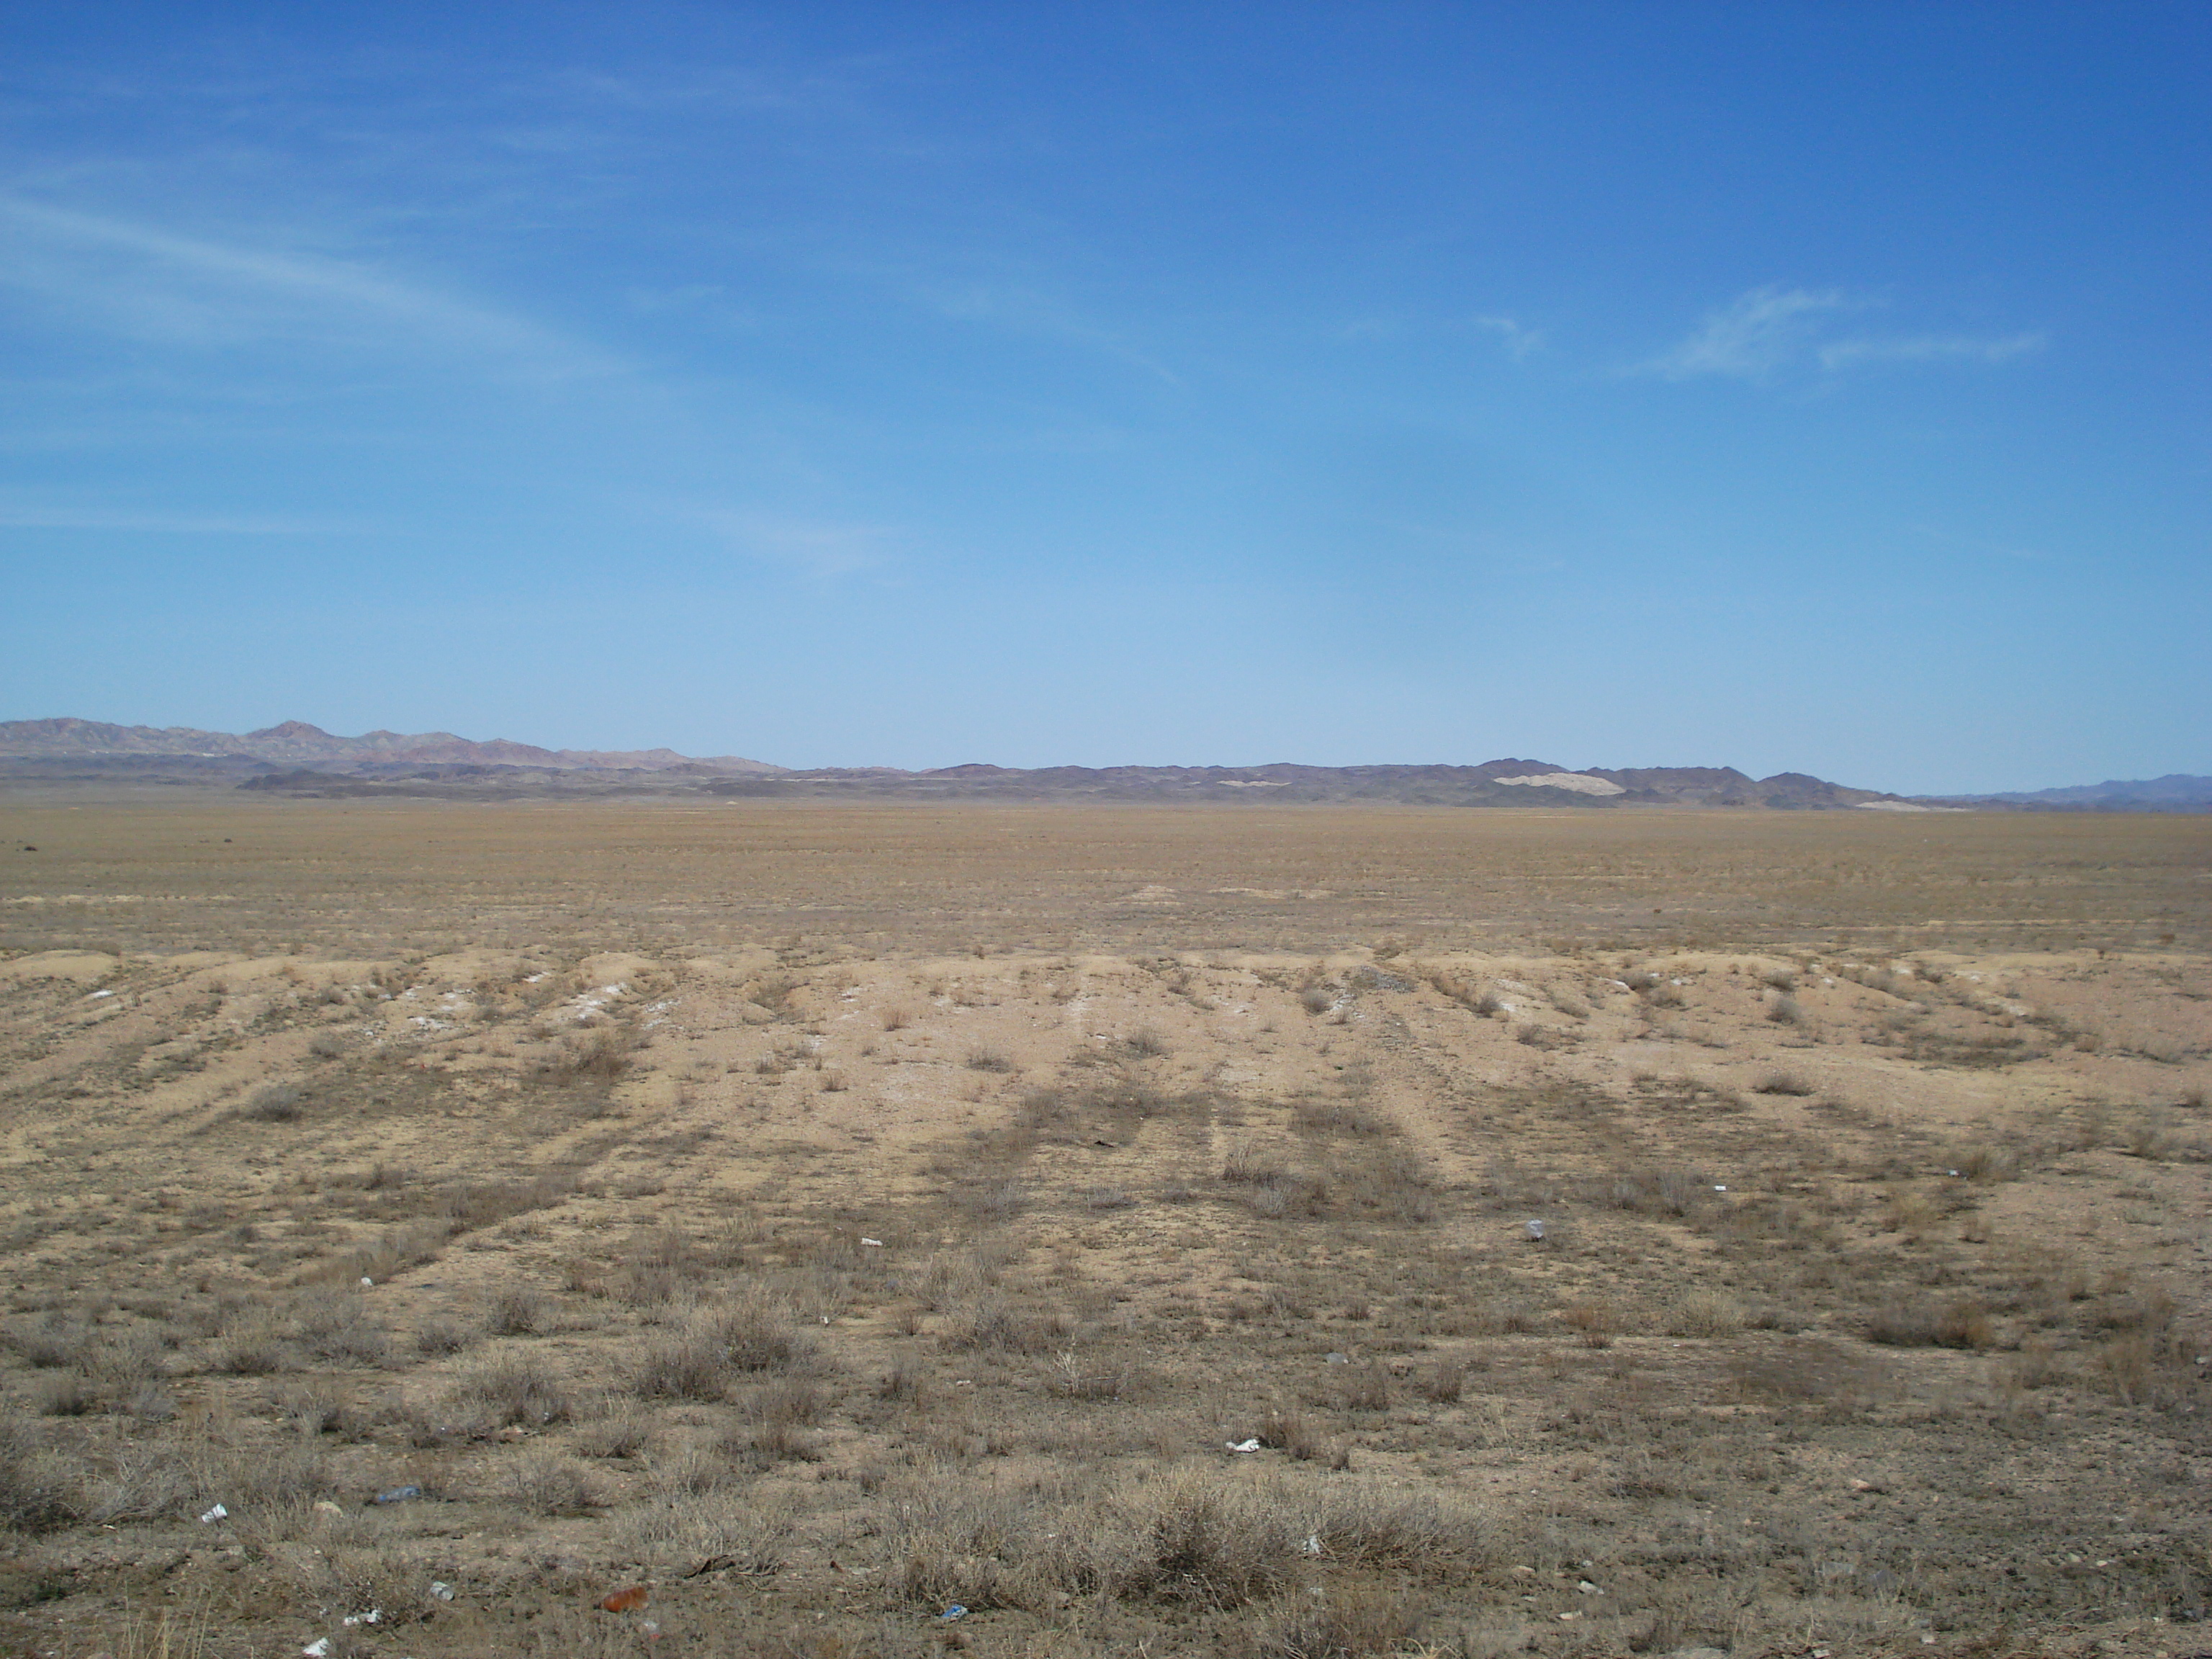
[{"x": 790, "y": 1229}]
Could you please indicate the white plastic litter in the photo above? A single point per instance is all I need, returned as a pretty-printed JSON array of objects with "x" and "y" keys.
[
  {"x": 213, "y": 1516},
  {"x": 366, "y": 1283},
  {"x": 1313, "y": 1543},
  {"x": 1251, "y": 1445},
  {"x": 1535, "y": 1228},
  {"x": 318, "y": 1648},
  {"x": 442, "y": 1590},
  {"x": 873, "y": 1243},
  {"x": 1720, "y": 1189},
  {"x": 374, "y": 1616}
]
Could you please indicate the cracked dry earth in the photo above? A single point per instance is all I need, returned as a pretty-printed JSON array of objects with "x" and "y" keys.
[{"x": 780, "y": 1296}]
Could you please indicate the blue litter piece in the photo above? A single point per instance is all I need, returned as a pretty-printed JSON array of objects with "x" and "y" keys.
[
  {"x": 397, "y": 1495},
  {"x": 956, "y": 1611}
]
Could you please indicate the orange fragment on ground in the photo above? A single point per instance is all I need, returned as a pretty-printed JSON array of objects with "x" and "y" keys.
[{"x": 625, "y": 1600}]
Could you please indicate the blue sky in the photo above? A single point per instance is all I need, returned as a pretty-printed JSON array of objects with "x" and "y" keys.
[{"x": 1818, "y": 387}]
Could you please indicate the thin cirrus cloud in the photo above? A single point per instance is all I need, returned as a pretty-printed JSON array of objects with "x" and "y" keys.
[
  {"x": 1517, "y": 340},
  {"x": 1931, "y": 348},
  {"x": 163, "y": 288},
  {"x": 816, "y": 547},
  {"x": 1773, "y": 330}
]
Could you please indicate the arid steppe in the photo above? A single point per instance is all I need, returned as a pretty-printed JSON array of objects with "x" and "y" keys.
[{"x": 762, "y": 1228}]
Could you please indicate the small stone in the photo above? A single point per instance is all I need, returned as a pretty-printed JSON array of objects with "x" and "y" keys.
[
  {"x": 1340, "y": 1360},
  {"x": 1524, "y": 1572}
]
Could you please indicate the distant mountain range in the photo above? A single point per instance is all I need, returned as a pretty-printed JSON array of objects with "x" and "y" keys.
[
  {"x": 2177, "y": 792},
  {"x": 295, "y": 758},
  {"x": 296, "y": 744}
]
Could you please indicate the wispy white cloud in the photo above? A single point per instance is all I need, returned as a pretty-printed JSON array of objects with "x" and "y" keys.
[
  {"x": 1931, "y": 348},
  {"x": 1752, "y": 337},
  {"x": 1772, "y": 330},
  {"x": 159, "y": 286},
  {"x": 1518, "y": 341},
  {"x": 1024, "y": 311},
  {"x": 819, "y": 547}
]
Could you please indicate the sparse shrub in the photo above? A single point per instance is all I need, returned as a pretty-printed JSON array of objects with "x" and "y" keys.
[
  {"x": 1782, "y": 1083},
  {"x": 1366, "y": 1388},
  {"x": 1593, "y": 1323},
  {"x": 1785, "y": 1011},
  {"x": 994, "y": 1323},
  {"x": 548, "y": 1486},
  {"x": 34, "y": 1487},
  {"x": 700, "y": 1360},
  {"x": 1316, "y": 999},
  {"x": 1660, "y": 1192},
  {"x": 1287, "y": 1429},
  {"x": 53, "y": 1342},
  {"x": 1353, "y": 1620},
  {"x": 340, "y": 1329},
  {"x": 989, "y": 1059},
  {"x": 442, "y": 1335},
  {"x": 1705, "y": 1313},
  {"x": 1146, "y": 1043},
  {"x": 256, "y": 1348},
  {"x": 1981, "y": 1160},
  {"x": 275, "y": 1103},
  {"x": 514, "y": 1388},
  {"x": 1442, "y": 1384},
  {"x": 65, "y": 1394},
  {"x": 516, "y": 1310},
  {"x": 622, "y": 1434},
  {"x": 1108, "y": 1198},
  {"x": 1779, "y": 978},
  {"x": 601, "y": 1053}
]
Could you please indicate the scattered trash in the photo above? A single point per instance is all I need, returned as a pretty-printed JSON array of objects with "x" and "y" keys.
[
  {"x": 374, "y": 1616},
  {"x": 873, "y": 1243},
  {"x": 1251, "y": 1445},
  {"x": 624, "y": 1600},
  {"x": 397, "y": 1495},
  {"x": 366, "y": 1283},
  {"x": 213, "y": 1516},
  {"x": 103, "y": 994},
  {"x": 1927, "y": 1640},
  {"x": 1588, "y": 1589},
  {"x": 1313, "y": 1543},
  {"x": 440, "y": 1591},
  {"x": 1534, "y": 1230},
  {"x": 318, "y": 1648},
  {"x": 956, "y": 1611},
  {"x": 1340, "y": 1360},
  {"x": 324, "y": 1506},
  {"x": 1720, "y": 1189}
]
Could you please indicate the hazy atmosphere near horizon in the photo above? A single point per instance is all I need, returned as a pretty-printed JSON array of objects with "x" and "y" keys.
[{"x": 1814, "y": 387}]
